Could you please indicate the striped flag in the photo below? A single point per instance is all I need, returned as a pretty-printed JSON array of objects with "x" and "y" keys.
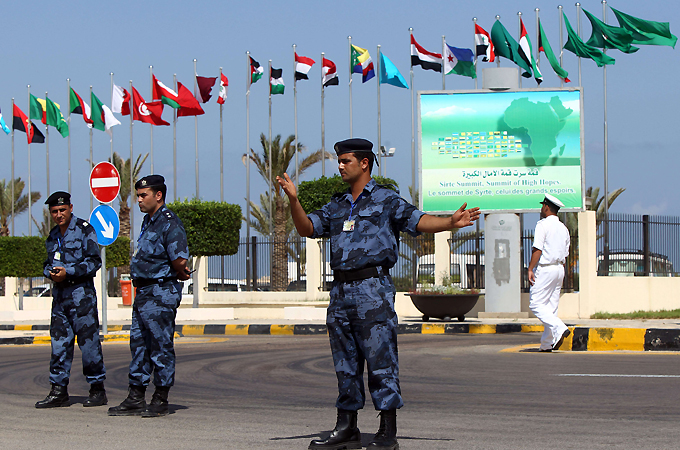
[
  {"x": 224, "y": 83},
  {"x": 525, "y": 45},
  {"x": 330, "y": 73},
  {"x": 361, "y": 63},
  {"x": 276, "y": 85},
  {"x": 483, "y": 44},
  {"x": 423, "y": 58},
  {"x": 302, "y": 67}
]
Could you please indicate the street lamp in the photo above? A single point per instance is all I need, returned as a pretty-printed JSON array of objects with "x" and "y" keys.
[{"x": 386, "y": 153}]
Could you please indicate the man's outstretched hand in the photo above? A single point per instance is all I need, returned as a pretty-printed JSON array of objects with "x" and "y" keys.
[
  {"x": 464, "y": 217},
  {"x": 287, "y": 185}
]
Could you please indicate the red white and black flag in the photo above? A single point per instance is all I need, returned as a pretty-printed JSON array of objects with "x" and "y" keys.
[
  {"x": 483, "y": 45},
  {"x": 423, "y": 58},
  {"x": 302, "y": 67},
  {"x": 330, "y": 73},
  {"x": 20, "y": 122}
]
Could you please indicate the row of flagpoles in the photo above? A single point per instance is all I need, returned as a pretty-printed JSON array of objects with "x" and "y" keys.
[{"x": 451, "y": 60}]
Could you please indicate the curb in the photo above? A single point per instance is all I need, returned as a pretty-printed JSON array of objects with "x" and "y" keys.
[{"x": 581, "y": 339}]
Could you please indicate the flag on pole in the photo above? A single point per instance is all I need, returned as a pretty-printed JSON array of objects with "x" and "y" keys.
[
  {"x": 190, "y": 105},
  {"x": 161, "y": 92},
  {"x": 483, "y": 44},
  {"x": 525, "y": 45},
  {"x": 579, "y": 48},
  {"x": 362, "y": 63},
  {"x": 120, "y": 101},
  {"x": 43, "y": 106},
  {"x": 276, "y": 85},
  {"x": 20, "y": 122},
  {"x": 3, "y": 125},
  {"x": 609, "y": 36},
  {"x": 459, "y": 61},
  {"x": 109, "y": 120},
  {"x": 256, "y": 70},
  {"x": 147, "y": 112},
  {"x": 205, "y": 85},
  {"x": 423, "y": 58},
  {"x": 78, "y": 106},
  {"x": 544, "y": 46},
  {"x": 389, "y": 74},
  {"x": 302, "y": 67},
  {"x": 55, "y": 118},
  {"x": 224, "y": 83},
  {"x": 330, "y": 73},
  {"x": 646, "y": 32},
  {"x": 98, "y": 119},
  {"x": 504, "y": 45},
  {"x": 35, "y": 109}
]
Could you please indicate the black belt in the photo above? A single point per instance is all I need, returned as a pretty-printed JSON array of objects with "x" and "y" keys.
[
  {"x": 345, "y": 276},
  {"x": 143, "y": 282},
  {"x": 74, "y": 282}
]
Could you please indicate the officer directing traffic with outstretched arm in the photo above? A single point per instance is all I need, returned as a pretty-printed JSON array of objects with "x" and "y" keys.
[
  {"x": 364, "y": 225},
  {"x": 156, "y": 268},
  {"x": 72, "y": 262}
]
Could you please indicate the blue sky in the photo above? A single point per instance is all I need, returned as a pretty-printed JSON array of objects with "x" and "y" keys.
[{"x": 48, "y": 42}]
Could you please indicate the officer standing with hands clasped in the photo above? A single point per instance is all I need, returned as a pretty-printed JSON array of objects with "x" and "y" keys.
[
  {"x": 364, "y": 224},
  {"x": 156, "y": 268},
  {"x": 72, "y": 261},
  {"x": 546, "y": 272}
]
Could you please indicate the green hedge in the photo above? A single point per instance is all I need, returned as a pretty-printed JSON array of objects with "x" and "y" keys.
[
  {"x": 212, "y": 227},
  {"x": 118, "y": 253},
  {"x": 316, "y": 193},
  {"x": 22, "y": 256}
]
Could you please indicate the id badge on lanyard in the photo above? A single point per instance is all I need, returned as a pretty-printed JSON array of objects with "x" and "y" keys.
[{"x": 348, "y": 225}]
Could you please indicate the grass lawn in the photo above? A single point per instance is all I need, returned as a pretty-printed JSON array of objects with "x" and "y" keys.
[{"x": 663, "y": 314}]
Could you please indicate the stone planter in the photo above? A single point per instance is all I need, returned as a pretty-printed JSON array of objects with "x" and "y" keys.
[{"x": 444, "y": 306}]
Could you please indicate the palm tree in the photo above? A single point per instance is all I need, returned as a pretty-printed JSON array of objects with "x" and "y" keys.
[
  {"x": 123, "y": 167},
  {"x": 279, "y": 156},
  {"x": 46, "y": 225},
  {"x": 20, "y": 202}
]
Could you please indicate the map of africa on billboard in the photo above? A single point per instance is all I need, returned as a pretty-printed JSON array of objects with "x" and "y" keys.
[{"x": 501, "y": 151}]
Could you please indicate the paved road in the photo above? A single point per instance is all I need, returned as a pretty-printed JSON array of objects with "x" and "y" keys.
[{"x": 269, "y": 392}]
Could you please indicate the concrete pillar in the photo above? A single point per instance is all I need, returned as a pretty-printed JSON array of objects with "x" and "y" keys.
[
  {"x": 98, "y": 288},
  {"x": 313, "y": 267},
  {"x": 587, "y": 262},
  {"x": 442, "y": 258},
  {"x": 11, "y": 288},
  {"x": 200, "y": 279}
]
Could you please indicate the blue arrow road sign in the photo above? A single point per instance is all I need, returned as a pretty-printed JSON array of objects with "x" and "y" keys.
[{"x": 105, "y": 221}]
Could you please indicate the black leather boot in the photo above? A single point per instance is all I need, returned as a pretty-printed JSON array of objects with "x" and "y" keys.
[
  {"x": 386, "y": 437},
  {"x": 159, "y": 403},
  {"x": 97, "y": 395},
  {"x": 57, "y": 397},
  {"x": 346, "y": 435},
  {"x": 133, "y": 405}
]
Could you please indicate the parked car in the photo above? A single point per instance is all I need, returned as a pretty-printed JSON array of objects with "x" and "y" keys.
[
  {"x": 462, "y": 269},
  {"x": 629, "y": 263},
  {"x": 217, "y": 285},
  {"x": 44, "y": 290}
]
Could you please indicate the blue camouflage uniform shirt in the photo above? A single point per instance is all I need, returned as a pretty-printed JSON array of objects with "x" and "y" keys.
[
  {"x": 76, "y": 251},
  {"x": 379, "y": 214},
  {"x": 161, "y": 241}
]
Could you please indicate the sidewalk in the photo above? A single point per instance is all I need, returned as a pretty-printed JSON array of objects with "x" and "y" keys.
[{"x": 587, "y": 334}]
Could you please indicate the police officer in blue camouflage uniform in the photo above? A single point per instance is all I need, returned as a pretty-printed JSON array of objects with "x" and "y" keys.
[
  {"x": 156, "y": 268},
  {"x": 364, "y": 225},
  {"x": 72, "y": 261}
]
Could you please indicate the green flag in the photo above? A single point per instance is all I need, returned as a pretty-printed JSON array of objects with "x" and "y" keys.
[
  {"x": 507, "y": 47},
  {"x": 35, "y": 108},
  {"x": 579, "y": 48},
  {"x": 97, "y": 114},
  {"x": 544, "y": 46},
  {"x": 608, "y": 36},
  {"x": 646, "y": 32},
  {"x": 55, "y": 118}
]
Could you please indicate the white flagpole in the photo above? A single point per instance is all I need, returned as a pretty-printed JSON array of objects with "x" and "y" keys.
[
  {"x": 606, "y": 153},
  {"x": 269, "y": 160},
  {"x": 91, "y": 151},
  {"x": 174, "y": 143},
  {"x": 132, "y": 184},
  {"x": 559, "y": 9},
  {"x": 349, "y": 39},
  {"x": 498, "y": 58},
  {"x": 249, "y": 272},
  {"x": 538, "y": 39},
  {"x": 196, "y": 131},
  {"x": 47, "y": 151},
  {"x": 519, "y": 26},
  {"x": 413, "y": 125},
  {"x": 297, "y": 166},
  {"x": 13, "y": 198},
  {"x": 68, "y": 88},
  {"x": 377, "y": 66},
  {"x": 28, "y": 131},
  {"x": 578, "y": 30},
  {"x": 323, "y": 124},
  {"x": 111, "y": 129},
  {"x": 221, "y": 149},
  {"x": 151, "y": 125},
  {"x": 474, "y": 46},
  {"x": 443, "y": 58}
]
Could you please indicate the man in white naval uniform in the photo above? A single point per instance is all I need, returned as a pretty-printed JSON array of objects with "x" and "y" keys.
[{"x": 546, "y": 272}]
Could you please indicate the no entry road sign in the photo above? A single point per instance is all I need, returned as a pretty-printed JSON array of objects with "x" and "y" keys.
[
  {"x": 104, "y": 182},
  {"x": 106, "y": 223}
]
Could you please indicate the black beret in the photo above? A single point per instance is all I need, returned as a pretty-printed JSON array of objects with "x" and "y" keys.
[
  {"x": 353, "y": 145},
  {"x": 149, "y": 181},
  {"x": 58, "y": 198}
]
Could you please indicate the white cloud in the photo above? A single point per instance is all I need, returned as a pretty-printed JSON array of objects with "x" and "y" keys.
[
  {"x": 652, "y": 210},
  {"x": 448, "y": 111}
]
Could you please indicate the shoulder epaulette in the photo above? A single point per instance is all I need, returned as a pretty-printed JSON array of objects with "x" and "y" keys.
[
  {"x": 390, "y": 186},
  {"x": 82, "y": 224}
]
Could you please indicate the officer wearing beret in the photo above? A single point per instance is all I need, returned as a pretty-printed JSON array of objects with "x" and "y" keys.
[
  {"x": 156, "y": 268},
  {"x": 364, "y": 225},
  {"x": 72, "y": 261},
  {"x": 546, "y": 272}
]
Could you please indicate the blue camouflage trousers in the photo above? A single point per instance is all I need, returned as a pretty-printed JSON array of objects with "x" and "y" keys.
[
  {"x": 152, "y": 334},
  {"x": 74, "y": 315},
  {"x": 362, "y": 326}
]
